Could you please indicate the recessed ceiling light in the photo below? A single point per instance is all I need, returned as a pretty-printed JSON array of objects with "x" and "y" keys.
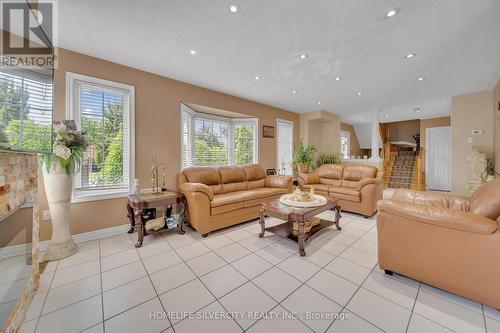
[
  {"x": 361, "y": 119},
  {"x": 417, "y": 110},
  {"x": 410, "y": 55},
  {"x": 257, "y": 77},
  {"x": 338, "y": 78},
  {"x": 359, "y": 93},
  {"x": 392, "y": 12},
  {"x": 319, "y": 103},
  {"x": 303, "y": 56},
  {"x": 233, "y": 9},
  {"x": 387, "y": 116},
  {"x": 193, "y": 52},
  {"x": 294, "y": 92},
  {"x": 421, "y": 78}
]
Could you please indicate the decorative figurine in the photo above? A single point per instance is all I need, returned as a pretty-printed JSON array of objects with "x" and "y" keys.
[
  {"x": 297, "y": 194},
  {"x": 155, "y": 179},
  {"x": 311, "y": 193}
]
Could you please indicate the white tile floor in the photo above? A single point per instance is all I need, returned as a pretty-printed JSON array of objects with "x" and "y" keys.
[{"x": 251, "y": 284}]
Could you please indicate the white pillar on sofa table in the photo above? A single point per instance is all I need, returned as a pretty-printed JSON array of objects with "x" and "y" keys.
[{"x": 375, "y": 136}]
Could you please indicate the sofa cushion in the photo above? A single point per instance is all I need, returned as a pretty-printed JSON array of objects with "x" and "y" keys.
[
  {"x": 344, "y": 190},
  {"x": 255, "y": 175},
  {"x": 204, "y": 175},
  {"x": 331, "y": 182},
  {"x": 256, "y": 183},
  {"x": 358, "y": 172},
  {"x": 226, "y": 198},
  {"x": 485, "y": 200},
  {"x": 226, "y": 208},
  {"x": 330, "y": 171},
  {"x": 254, "y": 172},
  {"x": 349, "y": 183},
  {"x": 233, "y": 178},
  {"x": 317, "y": 187}
]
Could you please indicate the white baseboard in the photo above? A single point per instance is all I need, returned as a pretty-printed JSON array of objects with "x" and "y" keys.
[{"x": 15, "y": 250}]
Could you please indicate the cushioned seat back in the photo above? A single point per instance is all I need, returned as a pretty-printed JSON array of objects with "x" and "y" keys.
[
  {"x": 255, "y": 176},
  {"x": 354, "y": 173},
  {"x": 233, "y": 178},
  {"x": 485, "y": 200},
  {"x": 204, "y": 175},
  {"x": 330, "y": 174}
]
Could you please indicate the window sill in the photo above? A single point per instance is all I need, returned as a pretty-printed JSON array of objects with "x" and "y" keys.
[{"x": 98, "y": 195}]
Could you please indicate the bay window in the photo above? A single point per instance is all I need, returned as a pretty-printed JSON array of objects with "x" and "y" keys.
[{"x": 208, "y": 140}]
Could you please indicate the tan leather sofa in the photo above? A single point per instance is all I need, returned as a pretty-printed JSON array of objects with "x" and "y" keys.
[
  {"x": 449, "y": 242},
  {"x": 228, "y": 195},
  {"x": 357, "y": 187}
]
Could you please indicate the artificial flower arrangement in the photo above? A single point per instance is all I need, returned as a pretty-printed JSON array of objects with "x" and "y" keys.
[{"x": 68, "y": 149}]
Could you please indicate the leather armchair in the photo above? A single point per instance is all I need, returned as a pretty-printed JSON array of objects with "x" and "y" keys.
[{"x": 446, "y": 241}]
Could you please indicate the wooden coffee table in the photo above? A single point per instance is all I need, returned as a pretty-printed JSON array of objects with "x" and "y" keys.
[{"x": 291, "y": 214}]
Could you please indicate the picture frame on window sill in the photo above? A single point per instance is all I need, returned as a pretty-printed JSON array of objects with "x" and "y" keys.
[{"x": 267, "y": 131}]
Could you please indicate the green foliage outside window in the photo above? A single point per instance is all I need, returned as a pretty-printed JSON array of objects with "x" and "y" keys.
[{"x": 244, "y": 145}]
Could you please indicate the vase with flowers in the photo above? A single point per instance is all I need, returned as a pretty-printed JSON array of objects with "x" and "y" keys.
[{"x": 58, "y": 170}]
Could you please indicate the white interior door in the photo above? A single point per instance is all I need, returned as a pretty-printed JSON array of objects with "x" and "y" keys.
[{"x": 438, "y": 158}]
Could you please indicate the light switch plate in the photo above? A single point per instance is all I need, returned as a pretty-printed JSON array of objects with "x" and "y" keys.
[{"x": 470, "y": 139}]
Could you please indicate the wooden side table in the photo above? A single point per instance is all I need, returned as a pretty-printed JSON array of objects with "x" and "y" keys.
[{"x": 137, "y": 203}]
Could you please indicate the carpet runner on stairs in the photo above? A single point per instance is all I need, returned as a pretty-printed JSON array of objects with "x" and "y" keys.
[{"x": 402, "y": 169}]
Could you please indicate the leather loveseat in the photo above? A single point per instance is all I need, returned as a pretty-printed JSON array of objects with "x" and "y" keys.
[
  {"x": 449, "y": 242},
  {"x": 357, "y": 187},
  {"x": 228, "y": 195}
]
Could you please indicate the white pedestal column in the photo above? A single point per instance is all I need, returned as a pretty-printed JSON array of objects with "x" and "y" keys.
[{"x": 58, "y": 187}]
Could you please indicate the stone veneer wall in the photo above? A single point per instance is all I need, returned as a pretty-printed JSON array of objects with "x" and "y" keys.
[
  {"x": 18, "y": 174},
  {"x": 18, "y": 185}
]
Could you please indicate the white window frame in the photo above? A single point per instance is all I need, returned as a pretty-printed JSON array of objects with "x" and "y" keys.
[
  {"x": 289, "y": 123},
  {"x": 71, "y": 114},
  {"x": 232, "y": 122},
  {"x": 342, "y": 133}
]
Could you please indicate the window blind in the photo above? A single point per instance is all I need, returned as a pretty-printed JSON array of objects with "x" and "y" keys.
[
  {"x": 285, "y": 146},
  {"x": 211, "y": 142},
  {"x": 245, "y": 138},
  {"x": 214, "y": 141},
  {"x": 26, "y": 109},
  {"x": 103, "y": 114}
]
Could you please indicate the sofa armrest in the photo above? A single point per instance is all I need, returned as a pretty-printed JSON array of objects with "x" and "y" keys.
[
  {"x": 433, "y": 199},
  {"x": 308, "y": 178},
  {"x": 279, "y": 181},
  {"x": 441, "y": 217},
  {"x": 197, "y": 187},
  {"x": 365, "y": 181}
]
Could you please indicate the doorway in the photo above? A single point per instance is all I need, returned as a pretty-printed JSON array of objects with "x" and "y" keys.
[{"x": 438, "y": 158}]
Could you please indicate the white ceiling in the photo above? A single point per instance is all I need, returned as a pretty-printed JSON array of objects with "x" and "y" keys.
[{"x": 457, "y": 43}]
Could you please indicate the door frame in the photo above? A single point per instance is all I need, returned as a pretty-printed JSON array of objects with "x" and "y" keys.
[{"x": 427, "y": 131}]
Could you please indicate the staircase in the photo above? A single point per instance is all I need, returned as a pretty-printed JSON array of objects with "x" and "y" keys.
[{"x": 403, "y": 168}]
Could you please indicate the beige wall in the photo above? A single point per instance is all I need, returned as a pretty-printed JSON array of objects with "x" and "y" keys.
[
  {"x": 321, "y": 129},
  {"x": 157, "y": 118},
  {"x": 355, "y": 149},
  {"x": 496, "y": 121},
  {"x": 403, "y": 130},
  {"x": 468, "y": 112}
]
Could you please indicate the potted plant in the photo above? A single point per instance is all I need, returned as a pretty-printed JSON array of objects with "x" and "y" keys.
[
  {"x": 303, "y": 157},
  {"x": 58, "y": 170},
  {"x": 329, "y": 159}
]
